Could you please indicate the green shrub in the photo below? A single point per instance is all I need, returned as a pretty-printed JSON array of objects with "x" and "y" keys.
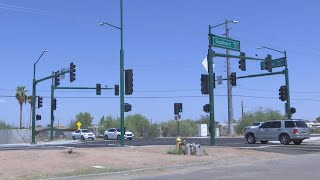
[{"x": 176, "y": 151}]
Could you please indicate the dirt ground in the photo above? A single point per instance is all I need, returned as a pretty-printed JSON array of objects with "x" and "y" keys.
[{"x": 34, "y": 164}]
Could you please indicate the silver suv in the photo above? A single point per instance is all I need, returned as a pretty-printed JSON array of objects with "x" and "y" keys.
[{"x": 284, "y": 131}]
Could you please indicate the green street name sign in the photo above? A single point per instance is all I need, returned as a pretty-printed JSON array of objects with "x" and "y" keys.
[
  {"x": 225, "y": 43},
  {"x": 275, "y": 63}
]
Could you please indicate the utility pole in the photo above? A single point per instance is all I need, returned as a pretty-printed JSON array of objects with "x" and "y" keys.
[
  {"x": 288, "y": 106},
  {"x": 241, "y": 110},
  {"x": 229, "y": 87}
]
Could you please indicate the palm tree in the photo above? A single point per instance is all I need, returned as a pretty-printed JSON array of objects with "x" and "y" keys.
[{"x": 21, "y": 96}]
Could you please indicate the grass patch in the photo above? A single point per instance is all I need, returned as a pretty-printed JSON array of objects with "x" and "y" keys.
[{"x": 176, "y": 151}]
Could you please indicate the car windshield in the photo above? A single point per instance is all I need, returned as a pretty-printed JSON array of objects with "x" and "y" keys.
[
  {"x": 256, "y": 124},
  {"x": 85, "y": 131},
  {"x": 119, "y": 130}
]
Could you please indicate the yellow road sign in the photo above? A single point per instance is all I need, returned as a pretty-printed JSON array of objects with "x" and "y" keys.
[{"x": 79, "y": 124}]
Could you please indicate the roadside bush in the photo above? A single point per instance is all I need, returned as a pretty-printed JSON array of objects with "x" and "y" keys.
[
  {"x": 176, "y": 151},
  {"x": 314, "y": 130},
  {"x": 4, "y": 125}
]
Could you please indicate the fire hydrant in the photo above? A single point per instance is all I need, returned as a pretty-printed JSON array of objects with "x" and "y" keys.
[{"x": 178, "y": 141}]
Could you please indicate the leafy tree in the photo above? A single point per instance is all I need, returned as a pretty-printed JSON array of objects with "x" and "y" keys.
[
  {"x": 108, "y": 122},
  {"x": 187, "y": 128},
  {"x": 258, "y": 116},
  {"x": 153, "y": 130},
  {"x": 138, "y": 124},
  {"x": 85, "y": 119},
  {"x": 21, "y": 96},
  {"x": 318, "y": 119},
  {"x": 204, "y": 120}
]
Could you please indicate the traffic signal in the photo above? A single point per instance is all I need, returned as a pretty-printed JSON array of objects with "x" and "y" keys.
[
  {"x": 177, "y": 108},
  {"x": 206, "y": 108},
  {"x": 127, "y": 107},
  {"x": 268, "y": 62},
  {"x": 128, "y": 81},
  {"x": 72, "y": 72},
  {"x": 283, "y": 93},
  {"x": 57, "y": 79},
  {"x": 242, "y": 62},
  {"x": 293, "y": 110},
  {"x": 38, "y": 117},
  {"x": 116, "y": 90},
  {"x": 98, "y": 89},
  {"x": 54, "y": 104},
  {"x": 40, "y": 101},
  {"x": 204, "y": 83},
  {"x": 233, "y": 79}
]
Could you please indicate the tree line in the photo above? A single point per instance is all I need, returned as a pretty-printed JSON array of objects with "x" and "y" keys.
[{"x": 144, "y": 128}]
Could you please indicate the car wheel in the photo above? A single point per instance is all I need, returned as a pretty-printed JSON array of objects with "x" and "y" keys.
[
  {"x": 106, "y": 137},
  {"x": 298, "y": 142},
  {"x": 73, "y": 138},
  {"x": 284, "y": 139},
  {"x": 251, "y": 139},
  {"x": 264, "y": 142},
  {"x": 118, "y": 137},
  {"x": 82, "y": 138}
]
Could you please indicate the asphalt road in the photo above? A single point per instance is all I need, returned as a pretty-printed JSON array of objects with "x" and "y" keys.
[
  {"x": 307, "y": 147},
  {"x": 300, "y": 167}
]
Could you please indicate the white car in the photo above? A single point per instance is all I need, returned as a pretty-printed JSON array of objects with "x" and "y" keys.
[
  {"x": 115, "y": 133},
  {"x": 83, "y": 134}
]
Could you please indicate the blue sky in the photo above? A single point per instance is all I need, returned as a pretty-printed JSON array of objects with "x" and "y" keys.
[{"x": 165, "y": 42}]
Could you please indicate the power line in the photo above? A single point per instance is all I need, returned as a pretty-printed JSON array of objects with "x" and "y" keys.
[
  {"x": 178, "y": 90},
  {"x": 23, "y": 9},
  {"x": 167, "y": 97}
]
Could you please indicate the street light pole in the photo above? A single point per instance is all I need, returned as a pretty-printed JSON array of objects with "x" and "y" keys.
[
  {"x": 286, "y": 74},
  {"x": 33, "y": 101},
  {"x": 121, "y": 71}
]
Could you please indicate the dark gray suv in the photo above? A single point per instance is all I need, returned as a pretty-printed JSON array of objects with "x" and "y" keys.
[{"x": 284, "y": 131}]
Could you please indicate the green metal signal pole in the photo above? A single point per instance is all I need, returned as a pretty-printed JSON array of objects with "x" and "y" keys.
[
  {"x": 121, "y": 71},
  {"x": 286, "y": 74},
  {"x": 121, "y": 76},
  {"x": 33, "y": 101},
  {"x": 211, "y": 90},
  {"x": 52, "y": 111}
]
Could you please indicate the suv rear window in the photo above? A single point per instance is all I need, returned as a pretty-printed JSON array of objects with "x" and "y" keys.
[
  {"x": 293, "y": 124},
  {"x": 289, "y": 124},
  {"x": 301, "y": 124}
]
